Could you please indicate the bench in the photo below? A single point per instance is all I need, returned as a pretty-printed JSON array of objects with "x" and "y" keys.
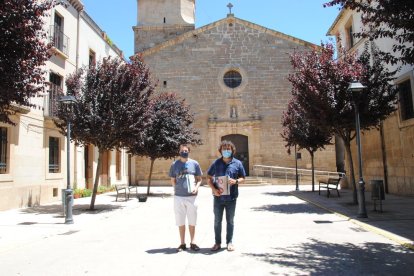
[
  {"x": 331, "y": 184},
  {"x": 125, "y": 190}
]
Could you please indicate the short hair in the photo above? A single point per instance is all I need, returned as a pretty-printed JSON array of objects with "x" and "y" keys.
[
  {"x": 227, "y": 143},
  {"x": 185, "y": 145}
]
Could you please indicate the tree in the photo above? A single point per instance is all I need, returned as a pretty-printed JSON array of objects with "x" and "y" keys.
[
  {"x": 320, "y": 85},
  {"x": 112, "y": 106},
  {"x": 24, "y": 50},
  {"x": 298, "y": 130},
  {"x": 386, "y": 18},
  {"x": 171, "y": 126}
]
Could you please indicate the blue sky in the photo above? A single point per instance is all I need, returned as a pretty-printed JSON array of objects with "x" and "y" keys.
[{"x": 304, "y": 19}]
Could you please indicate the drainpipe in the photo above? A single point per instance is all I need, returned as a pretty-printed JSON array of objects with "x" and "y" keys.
[
  {"x": 75, "y": 151},
  {"x": 384, "y": 157}
]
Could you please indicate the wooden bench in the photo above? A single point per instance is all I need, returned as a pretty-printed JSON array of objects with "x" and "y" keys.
[
  {"x": 125, "y": 190},
  {"x": 331, "y": 184}
]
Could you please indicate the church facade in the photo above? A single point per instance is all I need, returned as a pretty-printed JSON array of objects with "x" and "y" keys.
[{"x": 233, "y": 74}]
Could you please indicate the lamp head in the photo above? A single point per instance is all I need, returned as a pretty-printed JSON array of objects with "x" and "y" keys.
[
  {"x": 356, "y": 87},
  {"x": 67, "y": 99}
]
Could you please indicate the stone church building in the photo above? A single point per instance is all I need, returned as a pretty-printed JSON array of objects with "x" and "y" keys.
[{"x": 233, "y": 74}]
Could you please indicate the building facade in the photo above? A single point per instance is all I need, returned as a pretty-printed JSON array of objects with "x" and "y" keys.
[
  {"x": 233, "y": 74},
  {"x": 33, "y": 152},
  {"x": 387, "y": 153}
]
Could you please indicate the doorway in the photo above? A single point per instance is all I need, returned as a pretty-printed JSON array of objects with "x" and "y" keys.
[{"x": 242, "y": 148}]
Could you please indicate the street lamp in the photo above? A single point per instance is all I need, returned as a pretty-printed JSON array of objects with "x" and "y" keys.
[
  {"x": 68, "y": 101},
  {"x": 356, "y": 88},
  {"x": 297, "y": 156}
]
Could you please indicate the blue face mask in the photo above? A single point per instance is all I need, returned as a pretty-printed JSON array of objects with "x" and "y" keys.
[
  {"x": 184, "y": 154},
  {"x": 227, "y": 153}
]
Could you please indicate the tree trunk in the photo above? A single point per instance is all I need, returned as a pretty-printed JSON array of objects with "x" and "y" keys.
[
  {"x": 352, "y": 173},
  {"x": 150, "y": 175},
  {"x": 313, "y": 170},
  {"x": 95, "y": 185}
]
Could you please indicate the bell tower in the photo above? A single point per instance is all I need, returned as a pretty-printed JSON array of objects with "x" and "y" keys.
[{"x": 161, "y": 20}]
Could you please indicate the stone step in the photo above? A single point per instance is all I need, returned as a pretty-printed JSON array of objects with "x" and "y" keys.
[{"x": 254, "y": 181}]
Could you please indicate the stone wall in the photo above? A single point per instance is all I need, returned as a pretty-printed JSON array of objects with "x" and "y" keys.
[{"x": 193, "y": 65}]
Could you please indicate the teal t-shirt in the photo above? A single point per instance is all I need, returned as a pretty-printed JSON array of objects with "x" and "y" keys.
[{"x": 185, "y": 173}]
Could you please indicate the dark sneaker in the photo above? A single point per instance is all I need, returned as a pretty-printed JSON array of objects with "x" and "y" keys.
[
  {"x": 216, "y": 247},
  {"x": 194, "y": 247},
  {"x": 181, "y": 247}
]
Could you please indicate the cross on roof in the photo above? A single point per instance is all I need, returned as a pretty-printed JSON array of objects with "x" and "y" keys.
[{"x": 230, "y": 5}]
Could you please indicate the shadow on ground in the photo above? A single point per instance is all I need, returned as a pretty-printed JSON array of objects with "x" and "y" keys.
[
  {"x": 77, "y": 209},
  {"x": 278, "y": 194},
  {"x": 297, "y": 208},
  {"x": 320, "y": 258}
]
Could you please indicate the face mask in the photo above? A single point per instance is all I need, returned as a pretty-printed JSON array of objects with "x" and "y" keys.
[
  {"x": 184, "y": 154},
  {"x": 226, "y": 153}
]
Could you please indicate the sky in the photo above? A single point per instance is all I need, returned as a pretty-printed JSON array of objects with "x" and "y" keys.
[{"x": 305, "y": 19}]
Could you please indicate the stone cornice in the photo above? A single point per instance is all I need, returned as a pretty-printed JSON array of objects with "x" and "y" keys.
[
  {"x": 77, "y": 4},
  {"x": 229, "y": 19}
]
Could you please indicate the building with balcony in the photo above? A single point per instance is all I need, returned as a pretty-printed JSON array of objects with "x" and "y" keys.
[
  {"x": 33, "y": 152},
  {"x": 388, "y": 153}
]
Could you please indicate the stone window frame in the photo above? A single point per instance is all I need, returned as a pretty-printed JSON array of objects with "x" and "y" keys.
[{"x": 239, "y": 69}]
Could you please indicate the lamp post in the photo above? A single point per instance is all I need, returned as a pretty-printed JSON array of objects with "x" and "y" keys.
[
  {"x": 68, "y": 101},
  {"x": 356, "y": 88}
]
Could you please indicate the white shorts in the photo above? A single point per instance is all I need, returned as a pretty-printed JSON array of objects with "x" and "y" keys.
[{"x": 185, "y": 206}]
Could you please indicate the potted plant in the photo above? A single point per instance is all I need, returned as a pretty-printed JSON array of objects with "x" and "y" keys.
[{"x": 77, "y": 193}]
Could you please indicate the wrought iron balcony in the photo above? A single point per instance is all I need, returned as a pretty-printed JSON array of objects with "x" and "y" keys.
[
  {"x": 51, "y": 101},
  {"x": 59, "y": 39}
]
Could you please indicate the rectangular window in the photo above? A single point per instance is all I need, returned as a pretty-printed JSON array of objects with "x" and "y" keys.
[
  {"x": 406, "y": 100},
  {"x": 350, "y": 36},
  {"x": 92, "y": 59},
  {"x": 54, "y": 155},
  {"x": 55, "y": 93},
  {"x": 58, "y": 37},
  {"x": 3, "y": 150}
]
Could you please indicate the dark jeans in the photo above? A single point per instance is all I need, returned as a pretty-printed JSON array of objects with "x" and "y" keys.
[{"x": 219, "y": 207}]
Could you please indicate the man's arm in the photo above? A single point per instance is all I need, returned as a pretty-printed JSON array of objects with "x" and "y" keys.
[{"x": 173, "y": 181}]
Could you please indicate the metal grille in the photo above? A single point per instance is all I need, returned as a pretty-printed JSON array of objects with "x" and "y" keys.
[
  {"x": 232, "y": 79},
  {"x": 54, "y": 164},
  {"x": 3, "y": 150},
  {"x": 59, "y": 39}
]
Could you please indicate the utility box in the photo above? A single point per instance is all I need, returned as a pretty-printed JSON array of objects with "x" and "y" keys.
[{"x": 377, "y": 193}]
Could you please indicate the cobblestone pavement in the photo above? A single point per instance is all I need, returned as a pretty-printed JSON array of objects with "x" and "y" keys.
[{"x": 276, "y": 233}]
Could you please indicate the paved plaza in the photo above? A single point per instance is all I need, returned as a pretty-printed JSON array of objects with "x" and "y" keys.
[{"x": 277, "y": 232}]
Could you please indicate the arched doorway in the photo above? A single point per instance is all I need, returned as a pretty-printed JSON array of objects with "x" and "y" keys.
[{"x": 242, "y": 148}]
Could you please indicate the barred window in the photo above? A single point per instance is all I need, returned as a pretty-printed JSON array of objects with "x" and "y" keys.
[
  {"x": 406, "y": 100},
  {"x": 54, "y": 156},
  {"x": 232, "y": 79},
  {"x": 3, "y": 150}
]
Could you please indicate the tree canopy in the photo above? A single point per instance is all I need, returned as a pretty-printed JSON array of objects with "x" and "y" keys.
[
  {"x": 171, "y": 126},
  {"x": 113, "y": 105},
  {"x": 24, "y": 50},
  {"x": 299, "y": 130},
  {"x": 320, "y": 87},
  {"x": 386, "y": 18}
]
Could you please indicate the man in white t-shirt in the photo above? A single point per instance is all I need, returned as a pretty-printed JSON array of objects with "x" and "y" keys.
[{"x": 185, "y": 176}]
